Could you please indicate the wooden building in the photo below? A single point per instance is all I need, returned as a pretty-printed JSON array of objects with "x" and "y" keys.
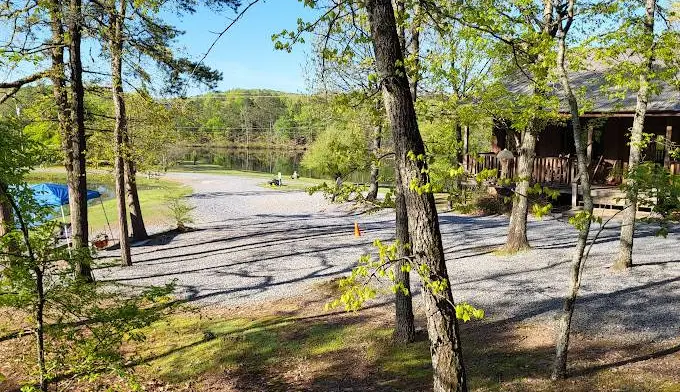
[{"x": 608, "y": 122}]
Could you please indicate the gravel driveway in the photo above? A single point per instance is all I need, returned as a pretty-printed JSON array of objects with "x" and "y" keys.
[{"x": 256, "y": 244}]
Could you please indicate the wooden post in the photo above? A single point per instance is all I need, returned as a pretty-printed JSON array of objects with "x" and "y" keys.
[
  {"x": 589, "y": 148},
  {"x": 466, "y": 150},
  {"x": 574, "y": 195},
  {"x": 667, "y": 144}
]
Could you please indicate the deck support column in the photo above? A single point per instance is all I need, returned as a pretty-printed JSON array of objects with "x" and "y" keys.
[
  {"x": 589, "y": 146},
  {"x": 466, "y": 139},
  {"x": 667, "y": 145}
]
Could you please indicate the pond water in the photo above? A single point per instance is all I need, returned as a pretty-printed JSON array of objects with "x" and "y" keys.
[{"x": 269, "y": 161}]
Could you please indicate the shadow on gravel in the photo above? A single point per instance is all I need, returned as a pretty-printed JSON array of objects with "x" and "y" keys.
[
  {"x": 156, "y": 239},
  {"x": 646, "y": 308},
  {"x": 293, "y": 234}
]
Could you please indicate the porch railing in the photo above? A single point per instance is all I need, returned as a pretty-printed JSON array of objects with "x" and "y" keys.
[
  {"x": 546, "y": 170},
  {"x": 553, "y": 170}
]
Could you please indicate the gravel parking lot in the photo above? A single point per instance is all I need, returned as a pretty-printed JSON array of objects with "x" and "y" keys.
[{"x": 255, "y": 244}]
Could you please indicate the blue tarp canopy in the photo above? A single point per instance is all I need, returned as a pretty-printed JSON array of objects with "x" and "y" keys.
[{"x": 56, "y": 194}]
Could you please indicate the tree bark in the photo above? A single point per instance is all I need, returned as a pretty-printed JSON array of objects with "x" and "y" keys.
[
  {"x": 6, "y": 221},
  {"x": 404, "y": 324},
  {"x": 136, "y": 220},
  {"x": 414, "y": 50},
  {"x": 564, "y": 322},
  {"x": 404, "y": 331},
  {"x": 442, "y": 326},
  {"x": 5, "y": 212},
  {"x": 77, "y": 175},
  {"x": 517, "y": 230},
  {"x": 40, "y": 326},
  {"x": 624, "y": 259},
  {"x": 116, "y": 52},
  {"x": 375, "y": 169}
]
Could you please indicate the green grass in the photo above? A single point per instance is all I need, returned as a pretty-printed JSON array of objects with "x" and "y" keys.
[
  {"x": 187, "y": 347},
  {"x": 153, "y": 196},
  {"x": 353, "y": 350}
]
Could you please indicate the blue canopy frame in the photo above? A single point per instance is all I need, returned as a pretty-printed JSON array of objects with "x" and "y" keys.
[{"x": 56, "y": 195}]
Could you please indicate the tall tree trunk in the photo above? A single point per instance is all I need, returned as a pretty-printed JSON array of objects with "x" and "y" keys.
[
  {"x": 77, "y": 176},
  {"x": 5, "y": 212},
  {"x": 517, "y": 230},
  {"x": 6, "y": 221},
  {"x": 564, "y": 322},
  {"x": 404, "y": 331},
  {"x": 375, "y": 168},
  {"x": 136, "y": 220},
  {"x": 116, "y": 43},
  {"x": 460, "y": 154},
  {"x": 404, "y": 324},
  {"x": 40, "y": 326},
  {"x": 624, "y": 258},
  {"x": 426, "y": 243}
]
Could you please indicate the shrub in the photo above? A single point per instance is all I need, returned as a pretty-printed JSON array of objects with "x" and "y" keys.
[
  {"x": 181, "y": 212},
  {"x": 492, "y": 204}
]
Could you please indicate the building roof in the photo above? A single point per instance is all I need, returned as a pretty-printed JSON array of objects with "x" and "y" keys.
[{"x": 602, "y": 99}]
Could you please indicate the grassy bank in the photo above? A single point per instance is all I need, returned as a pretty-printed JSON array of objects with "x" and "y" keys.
[
  {"x": 301, "y": 183},
  {"x": 153, "y": 195}
]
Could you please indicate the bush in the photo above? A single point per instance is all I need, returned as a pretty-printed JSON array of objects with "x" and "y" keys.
[
  {"x": 181, "y": 212},
  {"x": 493, "y": 204},
  {"x": 481, "y": 202}
]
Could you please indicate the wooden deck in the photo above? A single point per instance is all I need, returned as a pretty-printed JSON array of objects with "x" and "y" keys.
[
  {"x": 604, "y": 196},
  {"x": 560, "y": 173}
]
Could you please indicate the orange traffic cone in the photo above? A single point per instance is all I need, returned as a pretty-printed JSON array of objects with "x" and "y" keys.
[{"x": 357, "y": 230}]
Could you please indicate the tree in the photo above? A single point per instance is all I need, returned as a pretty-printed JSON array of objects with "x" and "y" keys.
[
  {"x": 347, "y": 63},
  {"x": 457, "y": 69},
  {"x": 341, "y": 148},
  {"x": 404, "y": 323},
  {"x": 522, "y": 31},
  {"x": 445, "y": 345},
  {"x": 117, "y": 14},
  {"x": 563, "y": 20},
  {"x": 75, "y": 147},
  {"x": 645, "y": 48},
  {"x": 65, "y": 21}
]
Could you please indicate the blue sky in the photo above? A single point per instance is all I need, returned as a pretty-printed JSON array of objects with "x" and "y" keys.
[{"x": 245, "y": 54}]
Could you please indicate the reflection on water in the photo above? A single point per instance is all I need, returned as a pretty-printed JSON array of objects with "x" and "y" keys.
[{"x": 268, "y": 161}]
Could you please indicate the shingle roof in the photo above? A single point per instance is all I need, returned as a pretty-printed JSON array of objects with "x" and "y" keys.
[{"x": 600, "y": 99}]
